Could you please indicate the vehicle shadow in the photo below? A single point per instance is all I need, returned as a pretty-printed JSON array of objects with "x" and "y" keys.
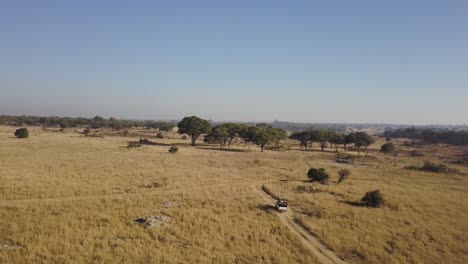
[{"x": 266, "y": 208}]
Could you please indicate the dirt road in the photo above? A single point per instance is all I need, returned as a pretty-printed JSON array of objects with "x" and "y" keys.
[{"x": 309, "y": 240}]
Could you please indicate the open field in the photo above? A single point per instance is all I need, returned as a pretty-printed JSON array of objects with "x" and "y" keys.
[{"x": 65, "y": 198}]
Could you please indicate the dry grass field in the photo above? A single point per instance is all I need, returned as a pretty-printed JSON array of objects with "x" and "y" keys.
[{"x": 65, "y": 198}]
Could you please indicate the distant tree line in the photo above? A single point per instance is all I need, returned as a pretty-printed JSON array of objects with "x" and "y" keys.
[
  {"x": 324, "y": 137},
  {"x": 223, "y": 134},
  {"x": 96, "y": 122},
  {"x": 430, "y": 136}
]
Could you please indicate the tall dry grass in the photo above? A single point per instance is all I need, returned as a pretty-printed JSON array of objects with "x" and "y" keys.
[{"x": 72, "y": 199}]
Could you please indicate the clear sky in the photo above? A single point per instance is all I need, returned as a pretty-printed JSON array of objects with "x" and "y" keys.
[{"x": 308, "y": 61}]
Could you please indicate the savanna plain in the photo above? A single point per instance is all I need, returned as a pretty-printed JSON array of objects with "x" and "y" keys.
[{"x": 66, "y": 198}]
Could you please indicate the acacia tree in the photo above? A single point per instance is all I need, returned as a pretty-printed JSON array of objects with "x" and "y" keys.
[
  {"x": 322, "y": 137},
  {"x": 248, "y": 134},
  {"x": 349, "y": 139},
  {"x": 337, "y": 139},
  {"x": 262, "y": 135},
  {"x": 194, "y": 127},
  {"x": 363, "y": 140},
  {"x": 219, "y": 135},
  {"x": 303, "y": 138},
  {"x": 390, "y": 149},
  {"x": 278, "y": 135},
  {"x": 234, "y": 130},
  {"x": 314, "y": 136}
]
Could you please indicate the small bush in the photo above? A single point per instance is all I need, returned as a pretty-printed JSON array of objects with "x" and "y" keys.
[
  {"x": 373, "y": 199},
  {"x": 144, "y": 141},
  {"x": 87, "y": 132},
  {"x": 433, "y": 167},
  {"x": 184, "y": 137},
  {"x": 159, "y": 135},
  {"x": 436, "y": 168},
  {"x": 343, "y": 155},
  {"x": 133, "y": 144},
  {"x": 344, "y": 174},
  {"x": 318, "y": 175},
  {"x": 308, "y": 189},
  {"x": 173, "y": 149},
  {"x": 22, "y": 133}
]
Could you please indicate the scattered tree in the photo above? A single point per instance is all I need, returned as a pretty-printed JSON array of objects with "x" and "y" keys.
[
  {"x": 234, "y": 130},
  {"x": 263, "y": 135},
  {"x": 303, "y": 137},
  {"x": 344, "y": 174},
  {"x": 337, "y": 139},
  {"x": 219, "y": 135},
  {"x": 390, "y": 149},
  {"x": 362, "y": 139},
  {"x": 349, "y": 139},
  {"x": 322, "y": 137},
  {"x": 194, "y": 127}
]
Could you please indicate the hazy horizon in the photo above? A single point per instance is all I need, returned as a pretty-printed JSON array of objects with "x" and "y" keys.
[{"x": 311, "y": 62}]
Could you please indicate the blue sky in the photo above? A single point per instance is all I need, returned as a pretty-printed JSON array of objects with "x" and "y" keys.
[{"x": 309, "y": 61}]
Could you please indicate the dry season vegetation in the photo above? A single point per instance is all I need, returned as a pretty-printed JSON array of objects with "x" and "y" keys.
[{"x": 66, "y": 198}]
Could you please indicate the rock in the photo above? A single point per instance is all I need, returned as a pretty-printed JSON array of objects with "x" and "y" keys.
[
  {"x": 168, "y": 204},
  {"x": 154, "y": 221},
  {"x": 10, "y": 246}
]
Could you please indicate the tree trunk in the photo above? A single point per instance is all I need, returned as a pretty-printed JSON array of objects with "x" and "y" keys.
[
  {"x": 262, "y": 147},
  {"x": 194, "y": 138},
  {"x": 344, "y": 147}
]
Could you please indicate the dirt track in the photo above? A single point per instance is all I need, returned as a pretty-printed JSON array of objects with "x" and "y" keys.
[{"x": 310, "y": 241}]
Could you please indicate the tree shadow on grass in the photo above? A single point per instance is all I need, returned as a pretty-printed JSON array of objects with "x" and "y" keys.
[
  {"x": 353, "y": 203},
  {"x": 222, "y": 149},
  {"x": 159, "y": 144}
]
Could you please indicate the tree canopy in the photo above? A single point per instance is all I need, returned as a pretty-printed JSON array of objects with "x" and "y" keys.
[{"x": 194, "y": 127}]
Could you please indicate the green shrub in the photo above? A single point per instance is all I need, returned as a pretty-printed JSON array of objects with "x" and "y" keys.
[
  {"x": 22, "y": 133},
  {"x": 173, "y": 149},
  {"x": 184, "y": 137},
  {"x": 373, "y": 199},
  {"x": 344, "y": 174},
  {"x": 159, "y": 135},
  {"x": 318, "y": 175}
]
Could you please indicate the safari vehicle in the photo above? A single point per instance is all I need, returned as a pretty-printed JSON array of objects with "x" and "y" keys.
[{"x": 281, "y": 205}]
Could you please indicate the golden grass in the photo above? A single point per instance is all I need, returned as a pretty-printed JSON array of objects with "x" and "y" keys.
[{"x": 72, "y": 199}]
